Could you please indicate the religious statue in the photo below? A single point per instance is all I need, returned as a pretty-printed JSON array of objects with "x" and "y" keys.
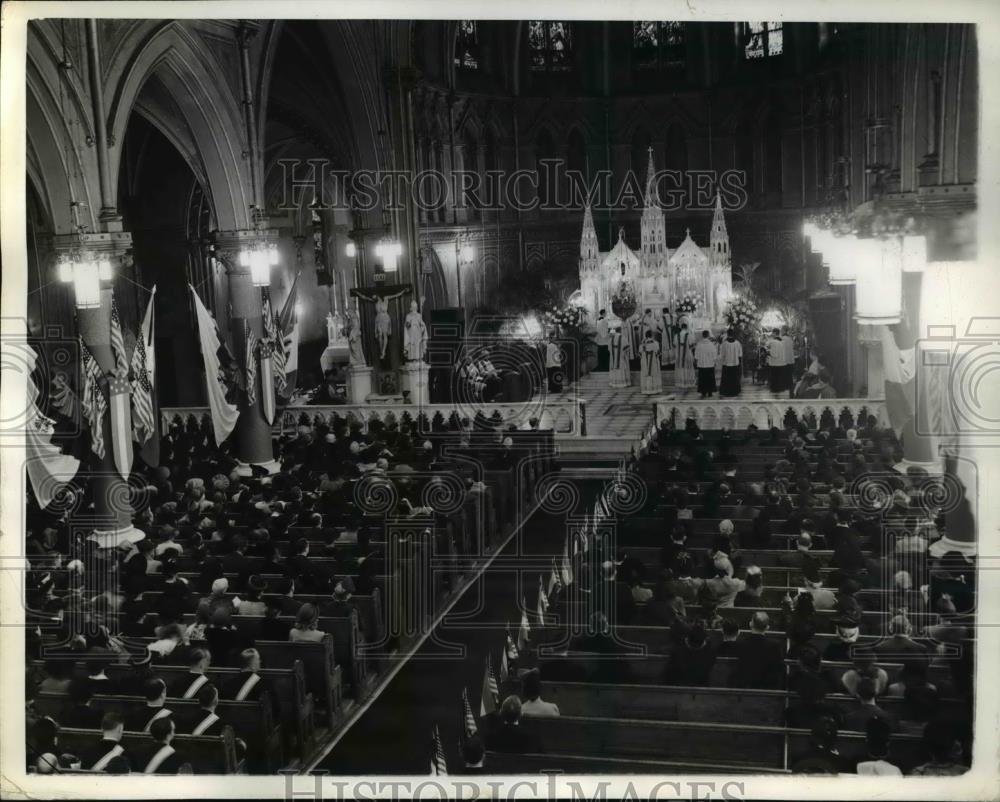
[
  {"x": 355, "y": 351},
  {"x": 415, "y": 335},
  {"x": 383, "y": 325}
]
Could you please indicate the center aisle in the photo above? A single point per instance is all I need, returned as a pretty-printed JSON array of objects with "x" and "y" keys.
[{"x": 394, "y": 735}]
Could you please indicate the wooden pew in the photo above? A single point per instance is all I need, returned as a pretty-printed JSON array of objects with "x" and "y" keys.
[
  {"x": 207, "y": 755},
  {"x": 293, "y": 704},
  {"x": 680, "y": 703},
  {"x": 506, "y": 763},
  {"x": 251, "y": 721},
  {"x": 323, "y": 675}
]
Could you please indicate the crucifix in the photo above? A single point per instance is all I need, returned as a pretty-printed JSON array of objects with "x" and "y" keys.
[{"x": 380, "y": 294}]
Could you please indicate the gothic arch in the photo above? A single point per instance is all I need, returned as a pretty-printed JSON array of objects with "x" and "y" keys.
[{"x": 207, "y": 107}]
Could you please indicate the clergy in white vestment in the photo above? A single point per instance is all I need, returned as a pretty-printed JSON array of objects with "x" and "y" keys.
[
  {"x": 601, "y": 339},
  {"x": 667, "y": 337},
  {"x": 631, "y": 332},
  {"x": 683, "y": 358},
  {"x": 777, "y": 363},
  {"x": 705, "y": 356},
  {"x": 620, "y": 374},
  {"x": 647, "y": 324},
  {"x": 732, "y": 365},
  {"x": 650, "y": 382}
]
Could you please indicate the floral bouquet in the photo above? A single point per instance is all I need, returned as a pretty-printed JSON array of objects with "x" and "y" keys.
[
  {"x": 562, "y": 317},
  {"x": 689, "y": 303},
  {"x": 742, "y": 314},
  {"x": 623, "y": 302}
]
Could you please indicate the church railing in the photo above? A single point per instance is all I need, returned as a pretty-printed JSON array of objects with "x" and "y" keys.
[
  {"x": 734, "y": 413},
  {"x": 564, "y": 418}
]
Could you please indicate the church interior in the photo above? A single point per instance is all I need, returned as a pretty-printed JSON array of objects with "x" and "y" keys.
[{"x": 495, "y": 397}]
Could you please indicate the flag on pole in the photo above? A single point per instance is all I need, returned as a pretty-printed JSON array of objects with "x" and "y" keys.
[
  {"x": 509, "y": 647},
  {"x": 489, "y": 701},
  {"x": 504, "y": 666},
  {"x": 143, "y": 414},
  {"x": 48, "y": 469},
  {"x": 117, "y": 340},
  {"x": 121, "y": 422},
  {"x": 439, "y": 766},
  {"x": 469, "y": 727},
  {"x": 92, "y": 400},
  {"x": 250, "y": 363},
  {"x": 288, "y": 329},
  {"x": 567, "y": 566},
  {"x": 271, "y": 333},
  {"x": 224, "y": 414},
  {"x": 555, "y": 583},
  {"x": 543, "y": 602},
  {"x": 525, "y": 631}
]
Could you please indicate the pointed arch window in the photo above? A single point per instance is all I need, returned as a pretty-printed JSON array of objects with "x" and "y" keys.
[
  {"x": 659, "y": 45},
  {"x": 762, "y": 39},
  {"x": 550, "y": 45},
  {"x": 467, "y": 45}
]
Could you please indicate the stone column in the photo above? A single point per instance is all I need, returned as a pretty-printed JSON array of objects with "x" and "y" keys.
[
  {"x": 112, "y": 515},
  {"x": 870, "y": 341},
  {"x": 252, "y": 435}
]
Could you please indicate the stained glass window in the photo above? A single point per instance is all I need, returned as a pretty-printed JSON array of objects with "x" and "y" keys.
[
  {"x": 467, "y": 45},
  {"x": 550, "y": 45},
  {"x": 763, "y": 39},
  {"x": 658, "y": 44}
]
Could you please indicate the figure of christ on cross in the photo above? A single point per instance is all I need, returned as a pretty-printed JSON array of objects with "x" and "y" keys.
[{"x": 380, "y": 295}]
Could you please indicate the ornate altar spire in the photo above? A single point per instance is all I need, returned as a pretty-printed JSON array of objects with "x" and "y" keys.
[
  {"x": 651, "y": 201},
  {"x": 719, "y": 237},
  {"x": 589, "y": 250}
]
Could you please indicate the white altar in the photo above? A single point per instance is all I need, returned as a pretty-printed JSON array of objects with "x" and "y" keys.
[{"x": 659, "y": 275}]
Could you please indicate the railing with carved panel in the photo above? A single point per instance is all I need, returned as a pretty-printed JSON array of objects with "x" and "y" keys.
[
  {"x": 564, "y": 418},
  {"x": 734, "y": 413}
]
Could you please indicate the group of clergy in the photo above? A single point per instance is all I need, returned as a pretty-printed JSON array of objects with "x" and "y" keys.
[{"x": 666, "y": 341}]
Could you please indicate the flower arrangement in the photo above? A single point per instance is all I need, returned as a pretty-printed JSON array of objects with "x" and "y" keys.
[
  {"x": 689, "y": 303},
  {"x": 623, "y": 302},
  {"x": 742, "y": 314},
  {"x": 564, "y": 317}
]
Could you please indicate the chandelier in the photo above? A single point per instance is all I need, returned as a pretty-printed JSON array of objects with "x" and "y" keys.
[
  {"x": 389, "y": 251},
  {"x": 85, "y": 270}
]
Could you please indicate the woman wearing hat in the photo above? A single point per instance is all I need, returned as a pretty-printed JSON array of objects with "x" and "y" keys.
[{"x": 254, "y": 603}]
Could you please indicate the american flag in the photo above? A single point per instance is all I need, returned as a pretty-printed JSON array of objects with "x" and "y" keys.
[
  {"x": 121, "y": 423},
  {"x": 251, "y": 365},
  {"x": 543, "y": 601},
  {"x": 469, "y": 727},
  {"x": 92, "y": 400},
  {"x": 439, "y": 765},
  {"x": 523, "y": 634},
  {"x": 143, "y": 421},
  {"x": 117, "y": 340},
  {"x": 490, "y": 700},
  {"x": 272, "y": 332}
]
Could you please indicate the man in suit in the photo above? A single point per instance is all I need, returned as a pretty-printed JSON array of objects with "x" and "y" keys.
[
  {"x": 759, "y": 662},
  {"x": 208, "y": 722},
  {"x": 236, "y": 562},
  {"x": 188, "y": 686},
  {"x": 80, "y": 712},
  {"x": 730, "y": 645},
  {"x": 142, "y": 718},
  {"x": 692, "y": 661},
  {"x": 97, "y": 757},
  {"x": 286, "y": 599},
  {"x": 161, "y": 757},
  {"x": 272, "y": 627},
  {"x": 801, "y": 558},
  {"x": 822, "y": 756},
  {"x": 341, "y": 605},
  {"x": 98, "y": 661},
  {"x": 823, "y": 598},
  {"x": 900, "y": 644},
  {"x": 531, "y": 687},
  {"x": 312, "y": 577},
  {"x": 248, "y": 685},
  {"x": 865, "y": 709},
  {"x": 508, "y": 736}
]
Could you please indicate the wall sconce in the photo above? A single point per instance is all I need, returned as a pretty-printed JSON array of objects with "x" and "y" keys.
[
  {"x": 260, "y": 258},
  {"x": 351, "y": 249}
]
